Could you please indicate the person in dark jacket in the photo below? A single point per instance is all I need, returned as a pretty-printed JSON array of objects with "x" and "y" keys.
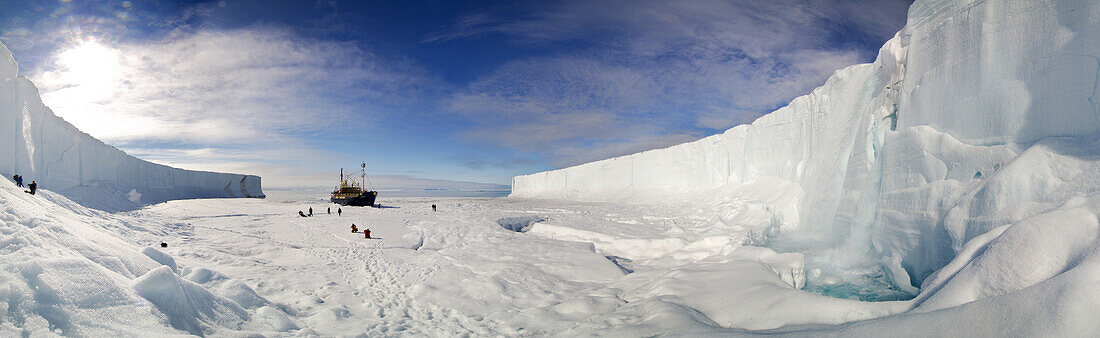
[
  {"x": 329, "y": 210},
  {"x": 18, "y": 180},
  {"x": 353, "y": 228},
  {"x": 33, "y": 186},
  {"x": 433, "y": 207},
  {"x": 310, "y": 211},
  {"x": 339, "y": 212},
  {"x": 300, "y": 213}
]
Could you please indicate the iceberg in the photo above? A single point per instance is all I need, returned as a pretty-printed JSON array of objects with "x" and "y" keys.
[
  {"x": 976, "y": 115},
  {"x": 42, "y": 147}
]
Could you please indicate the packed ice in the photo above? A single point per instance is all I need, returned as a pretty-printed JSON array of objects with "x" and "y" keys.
[{"x": 951, "y": 187}]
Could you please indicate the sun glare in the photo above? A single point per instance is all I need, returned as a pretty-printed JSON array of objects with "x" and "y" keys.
[
  {"x": 87, "y": 81},
  {"x": 92, "y": 67}
]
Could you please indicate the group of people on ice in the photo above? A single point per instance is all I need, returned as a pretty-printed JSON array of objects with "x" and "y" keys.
[
  {"x": 339, "y": 212},
  {"x": 366, "y": 232},
  {"x": 19, "y": 182}
]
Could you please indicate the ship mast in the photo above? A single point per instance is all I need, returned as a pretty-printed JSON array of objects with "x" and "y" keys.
[{"x": 364, "y": 179}]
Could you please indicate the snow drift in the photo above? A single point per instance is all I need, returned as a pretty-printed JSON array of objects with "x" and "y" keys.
[
  {"x": 42, "y": 147},
  {"x": 976, "y": 115},
  {"x": 75, "y": 271}
]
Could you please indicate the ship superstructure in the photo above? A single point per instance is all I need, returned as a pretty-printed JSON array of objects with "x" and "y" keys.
[{"x": 354, "y": 193}]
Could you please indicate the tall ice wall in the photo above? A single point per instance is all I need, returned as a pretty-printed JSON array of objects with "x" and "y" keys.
[
  {"x": 975, "y": 115},
  {"x": 44, "y": 148}
]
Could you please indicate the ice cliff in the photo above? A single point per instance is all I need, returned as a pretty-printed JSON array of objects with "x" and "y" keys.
[
  {"x": 42, "y": 147},
  {"x": 976, "y": 115}
]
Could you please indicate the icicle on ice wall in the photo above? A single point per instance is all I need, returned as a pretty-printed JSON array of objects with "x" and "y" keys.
[
  {"x": 46, "y": 149},
  {"x": 970, "y": 118}
]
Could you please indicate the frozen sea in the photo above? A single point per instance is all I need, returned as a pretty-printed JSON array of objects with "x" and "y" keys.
[
  {"x": 454, "y": 271},
  {"x": 504, "y": 266},
  {"x": 482, "y": 266}
]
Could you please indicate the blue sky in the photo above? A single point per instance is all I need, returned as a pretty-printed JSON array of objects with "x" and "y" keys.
[{"x": 431, "y": 94}]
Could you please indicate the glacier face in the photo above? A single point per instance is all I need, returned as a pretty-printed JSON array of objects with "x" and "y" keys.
[
  {"x": 976, "y": 115},
  {"x": 44, "y": 148}
]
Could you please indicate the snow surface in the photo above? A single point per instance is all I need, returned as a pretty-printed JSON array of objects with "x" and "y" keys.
[
  {"x": 44, "y": 148},
  {"x": 249, "y": 266},
  {"x": 976, "y": 115}
]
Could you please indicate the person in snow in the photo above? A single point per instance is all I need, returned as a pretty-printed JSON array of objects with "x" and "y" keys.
[
  {"x": 366, "y": 233},
  {"x": 300, "y": 213},
  {"x": 353, "y": 228},
  {"x": 310, "y": 211},
  {"x": 33, "y": 186},
  {"x": 433, "y": 207},
  {"x": 329, "y": 210},
  {"x": 18, "y": 180},
  {"x": 339, "y": 211}
]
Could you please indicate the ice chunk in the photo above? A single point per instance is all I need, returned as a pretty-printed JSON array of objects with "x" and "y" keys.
[
  {"x": 189, "y": 307},
  {"x": 242, "y": 294},
  {"x": 756, "y": 299},
  {"x": 1024, "y": 254},
  {"x": 162, "y": 258},
  {"x": 275, "y": 320},
  {"x": 202, "y": 275},
  {"x": 134, "y": 196}
]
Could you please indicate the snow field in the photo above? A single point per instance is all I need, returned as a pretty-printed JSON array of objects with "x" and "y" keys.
[
  {"x": 68, "y": 270},
  {"x": 239, "y": 266}
]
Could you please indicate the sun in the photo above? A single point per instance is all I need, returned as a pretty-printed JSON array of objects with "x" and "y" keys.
[
  {"x": 87, "y": 85},
  {"x": 92, "y": 68}
]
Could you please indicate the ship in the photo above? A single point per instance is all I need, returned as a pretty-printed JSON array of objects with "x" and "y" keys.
[{"x": 353, "y": 193}]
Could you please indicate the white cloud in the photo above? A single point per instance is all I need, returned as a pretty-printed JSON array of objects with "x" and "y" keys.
[
  {"x": 242, "y": 86},
  {"x": 260, "y": 89},
  {"x": 637, "y": 75},
  {"x": 539, "y": 103}
]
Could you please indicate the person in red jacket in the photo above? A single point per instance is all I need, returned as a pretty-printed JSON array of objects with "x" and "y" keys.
[{"x": 366, "y": 233}]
